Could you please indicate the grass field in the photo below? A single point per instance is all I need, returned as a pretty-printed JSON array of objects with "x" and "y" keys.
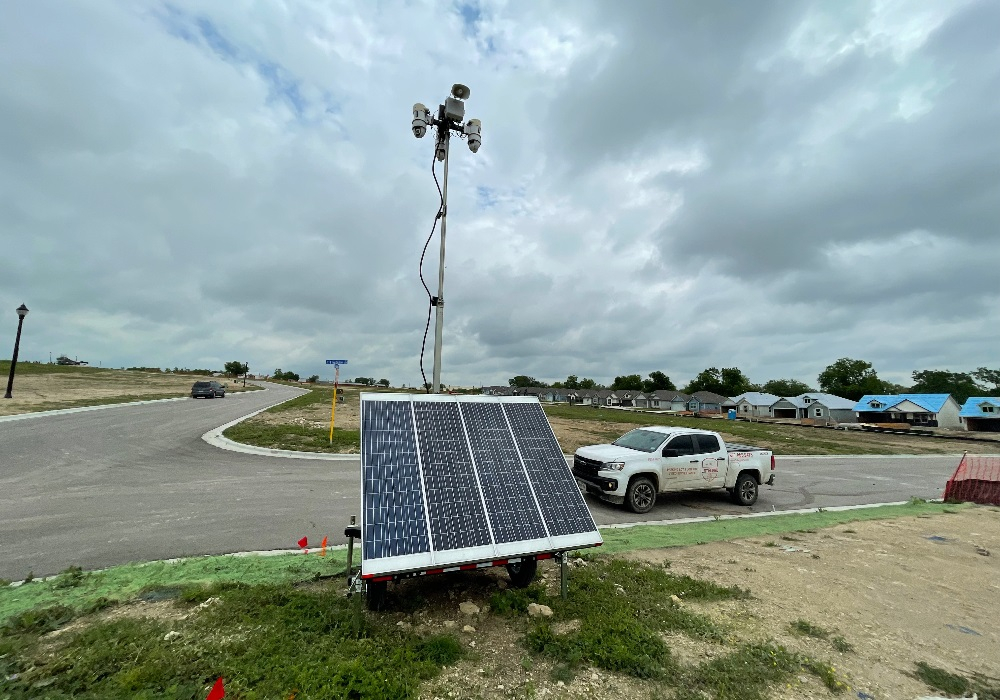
[
  {"x": 303, "y": 424},
  {"x": 602, "y": 424}
]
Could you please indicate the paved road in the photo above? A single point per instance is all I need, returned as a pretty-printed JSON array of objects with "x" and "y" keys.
[{"x": 137, "y": 483}]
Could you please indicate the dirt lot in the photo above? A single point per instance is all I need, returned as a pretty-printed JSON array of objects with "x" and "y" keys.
[
  {"x": 892, "y": 593},
  {"x": 36, "y": 391},
  {"x": 573, "y": 433}
]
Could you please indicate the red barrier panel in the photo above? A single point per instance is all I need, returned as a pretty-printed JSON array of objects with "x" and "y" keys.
[{"x": 976, "y": 479}]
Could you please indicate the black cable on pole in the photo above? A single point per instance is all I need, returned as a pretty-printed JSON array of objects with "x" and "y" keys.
[{"x": 430, "y": 297}]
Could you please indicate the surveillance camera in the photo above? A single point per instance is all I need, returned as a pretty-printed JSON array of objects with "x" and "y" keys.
[
  {"x": 440, "y": 152},
  {"x": 460, "y": 91},
  {"x": 473, "y": 130},
  {"x": 421, "y": 117}
]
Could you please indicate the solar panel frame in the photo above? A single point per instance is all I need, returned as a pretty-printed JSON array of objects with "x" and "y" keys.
[{"x": 435, "y": 558}]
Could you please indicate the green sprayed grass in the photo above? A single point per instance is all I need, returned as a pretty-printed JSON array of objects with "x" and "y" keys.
[
  {"x": 265, "y": 641},
  {"x": 78, "y": 591},
  {"x": 658, "y": 536}
]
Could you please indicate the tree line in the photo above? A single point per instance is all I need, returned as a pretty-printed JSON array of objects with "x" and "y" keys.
[{"x": 847, "y": 378}]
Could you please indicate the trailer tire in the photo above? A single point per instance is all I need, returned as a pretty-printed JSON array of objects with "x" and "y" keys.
[
  {"x": 745, "y": 490},
  {"x": 375, "y": 594},
  {"x": 522, "y": 573},
  {"x": 641, "y": 495}
]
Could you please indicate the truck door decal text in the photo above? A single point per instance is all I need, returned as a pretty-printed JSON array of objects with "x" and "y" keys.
[{"x": 709, "y": 469}]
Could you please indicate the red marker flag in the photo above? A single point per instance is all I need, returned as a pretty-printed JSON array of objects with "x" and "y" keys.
[
  {"x": 323, "y": 553},
  {"x": 217, "y": 692},
  {"x": 304, "y": 542}
]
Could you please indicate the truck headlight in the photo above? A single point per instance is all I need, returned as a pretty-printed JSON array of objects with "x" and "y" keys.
[{"x": 613, "y": 466}]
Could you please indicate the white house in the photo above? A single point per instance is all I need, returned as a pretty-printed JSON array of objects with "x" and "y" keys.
[{"x": 755, "y": 404}]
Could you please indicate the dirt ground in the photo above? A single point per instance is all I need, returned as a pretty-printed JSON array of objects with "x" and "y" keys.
[
  {"x": 573, "y": 433},
  {"x": 894, "y": 594},
  {"x": 40, "y": 392},
  {"x": 899, "y": 591}
]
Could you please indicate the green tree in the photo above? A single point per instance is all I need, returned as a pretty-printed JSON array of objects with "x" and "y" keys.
[
  {"x": 709, "y": 379},
  {"x": 587, "y": 383},
  {"x": 234, "y": 368},
  {"x": 657, "y": 381},
  {"x": 850, "y": 379},
  {"x": 313, "y": 379},
  {"x": 729, "y": 381},
  {"x": 628, "y": 381},
  {"x": 383, "y": 383},
  {"x": 523, "y": 381},
  {"x": 941, "y": 381},
  {"x": 572, "y": 382},
  {"x": 786, "y": 387},
  {"x": 988, "y": 377},
  {"x": 734, "y": 382}
]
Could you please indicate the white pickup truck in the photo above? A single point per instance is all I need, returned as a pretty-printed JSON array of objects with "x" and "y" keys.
[{"x": 660, "y": 459}]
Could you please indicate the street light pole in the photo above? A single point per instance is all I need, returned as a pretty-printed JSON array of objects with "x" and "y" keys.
[
  {"x": 449, "y": 118},
  {"x": 22, "y": 311}
]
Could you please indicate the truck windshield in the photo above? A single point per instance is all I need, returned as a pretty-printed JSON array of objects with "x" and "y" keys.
[{"x": 642, "y": 440}]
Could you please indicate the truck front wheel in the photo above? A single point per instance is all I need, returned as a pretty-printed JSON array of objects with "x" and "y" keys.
[
  {"x": 641, "y": 495},
  {"x": 745, "y": 490}
]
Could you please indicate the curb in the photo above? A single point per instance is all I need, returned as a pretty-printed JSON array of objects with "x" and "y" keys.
[
  {"x": 617, "y": 526},
  {"x": 215, "y": 438}
]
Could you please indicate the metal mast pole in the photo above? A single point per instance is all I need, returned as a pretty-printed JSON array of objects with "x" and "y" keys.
[{"x": 445, "y": 135}]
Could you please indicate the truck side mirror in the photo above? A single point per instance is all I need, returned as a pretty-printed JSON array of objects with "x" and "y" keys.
[{"x": 668, "y": 452}]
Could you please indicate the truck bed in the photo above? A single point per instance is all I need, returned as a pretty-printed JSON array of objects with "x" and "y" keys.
[{"x": 743, "y": 448}]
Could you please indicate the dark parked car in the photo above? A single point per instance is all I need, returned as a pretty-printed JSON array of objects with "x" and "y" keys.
[{"x": 208, "y": 390}]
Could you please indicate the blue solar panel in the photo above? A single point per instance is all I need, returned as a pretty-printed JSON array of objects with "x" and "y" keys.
[
  {"x": 513, "y": 511},
  {"x": 558, "y": 495},
  {"x": 451, "y": 480},
  {"x": 454, "y": 501},
  {"x": 394, "y": 518}
]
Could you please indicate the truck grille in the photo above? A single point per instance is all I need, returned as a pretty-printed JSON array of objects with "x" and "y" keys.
[{"x": 586, "y": 467}]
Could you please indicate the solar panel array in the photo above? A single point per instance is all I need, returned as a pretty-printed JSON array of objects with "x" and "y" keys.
[{"x": 459, "y": 479}]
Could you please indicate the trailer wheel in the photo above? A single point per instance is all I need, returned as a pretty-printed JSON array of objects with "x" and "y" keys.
[
  {"x": 641, "y": 495},
  {"x": 375, "y": 594},
  {"x": 745, "y": 490},
  {"x": 522, "y": 573}
]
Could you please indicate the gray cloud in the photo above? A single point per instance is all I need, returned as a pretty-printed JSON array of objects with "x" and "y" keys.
[{"x": 661, "y": 186}]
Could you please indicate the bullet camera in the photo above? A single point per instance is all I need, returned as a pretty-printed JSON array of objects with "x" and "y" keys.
[
  {"x": 421, "y": 118},
  {"x": 473, "y": 130}
]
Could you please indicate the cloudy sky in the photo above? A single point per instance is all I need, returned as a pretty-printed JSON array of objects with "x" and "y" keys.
[{"x": 661, "y": 186}]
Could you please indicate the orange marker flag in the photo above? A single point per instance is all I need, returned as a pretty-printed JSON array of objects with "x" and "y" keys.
[
  {"x": 217, "y": 692},
  {"x": 323, "y": 553}
]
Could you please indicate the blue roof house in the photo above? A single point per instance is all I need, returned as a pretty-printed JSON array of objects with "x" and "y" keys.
[
  {"x": 923, "y": 410},
  {"x": 981, "y": 414}
]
